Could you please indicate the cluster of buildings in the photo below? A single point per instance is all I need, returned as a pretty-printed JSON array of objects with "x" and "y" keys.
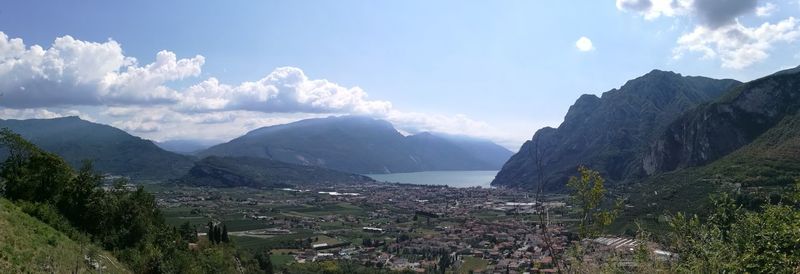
[{"x": 405, "y": 226}]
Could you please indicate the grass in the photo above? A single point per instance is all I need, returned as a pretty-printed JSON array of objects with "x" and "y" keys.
[
  {"x": 256, "y": 243},
  {"x": 279, "y": 261},
  {"x": 472, "y": 264},
  {"x": 768, "y": 163},
  {"x": 29, "y": 246},
  {"x": 323, "y": 210},
  {"x": 322, "y": 239}
]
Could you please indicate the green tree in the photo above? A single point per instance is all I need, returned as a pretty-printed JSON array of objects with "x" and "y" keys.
[
  {"x": 224, "y": 234},
  {"x": 187, "y": 232},
  {"x": 264, "y": 261},
  {"x": 30, "y": 173},
  {"x": 217, "y": 234},
  {"x": 444, "y": 262},
  {"x": 587, "y": 194},
  {"x": 210, "y": 233},
  {"x": 125, "y": 222},
  {"x": 733, "y": 240}
]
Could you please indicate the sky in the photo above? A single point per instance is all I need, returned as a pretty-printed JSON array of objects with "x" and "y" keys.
[{"x": 178, "y": 70}]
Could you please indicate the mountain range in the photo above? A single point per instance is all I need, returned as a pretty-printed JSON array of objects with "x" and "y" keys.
[
  {"x": 362, "y": 145},
  {"x": 610, "y": 133},
  {"x": 217, "y": 171},
  {"x": 187, "y": 147},
  {"x": 111, "y": 150},
  {"x": 298, "y": 152},
  {"x": 666, "y": 142}
]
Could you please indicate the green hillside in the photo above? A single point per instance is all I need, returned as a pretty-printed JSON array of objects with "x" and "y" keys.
[
  {"x": 258, "y": 172},
  {"x": 110, "y": 149},
  {"x": 361, "y": 145},
  {"x": 757, "y": 172},
  {"x": 29, "y": 246}
]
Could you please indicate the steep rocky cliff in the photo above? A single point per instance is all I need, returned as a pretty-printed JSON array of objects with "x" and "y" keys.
[
  {"x": 711, "y": 131},
  {"x": 611, "y": 133}
]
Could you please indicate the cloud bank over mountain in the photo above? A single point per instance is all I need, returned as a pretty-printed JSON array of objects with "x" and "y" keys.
[{"x": 97, "y": 81}]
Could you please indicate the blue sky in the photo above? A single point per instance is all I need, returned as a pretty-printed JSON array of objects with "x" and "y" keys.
[{"x": 494, "y": 69}]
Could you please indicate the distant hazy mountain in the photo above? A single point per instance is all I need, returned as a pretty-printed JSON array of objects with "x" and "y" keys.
[
  {"x": 258, "y": 172},
  {"x": 185, "y": 146},
  {"x": 611, "y": 133},
  {"x": 111, "y": 150},
  {"x": 362, "y": 145},
  {"x": 483, "y": 149}
]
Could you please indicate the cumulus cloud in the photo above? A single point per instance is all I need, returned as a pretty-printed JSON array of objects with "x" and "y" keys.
[
  {"x": 584, "y": 44},
  {"x": 718, "y": 33},
  {"x": 99, "y": 79},
  {"x": 710, "y": 13},
  {"x": 286, "y": 89},
  {"x": 40, "y": 113},
  {"x": 766, "y": 10},
  {"x": 718, "y": 13},
  {"x": 653, "y": 9},
  {"x": 735, "y": 45},
  {"x": 75, "y": 72}
]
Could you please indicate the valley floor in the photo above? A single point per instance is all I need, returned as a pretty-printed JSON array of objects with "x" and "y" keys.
[{"x": 392, "y": 226}]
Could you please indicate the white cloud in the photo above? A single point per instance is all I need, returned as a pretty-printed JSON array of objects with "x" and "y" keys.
[
  {"x": 113, "y": 88},
  {"x": 711, "y": 13},
  {"x": 719, "y": 13},
  {"x": 584, "y": 44},
  {"x": 286, "y": 89},
  {"x": 653, "y": 9},
  {"x": 718, "y": 34},
  {"x": 40, "y": 113},
  {"x": 75, "y": 72},
  {"x": 735, "y": 45},
  {"x": 766, "y": 10}
]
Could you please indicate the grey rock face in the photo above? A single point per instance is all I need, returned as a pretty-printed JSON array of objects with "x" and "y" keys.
[
  {"x": 714, "y": 130},
  {"x": 611, "y": 133}
]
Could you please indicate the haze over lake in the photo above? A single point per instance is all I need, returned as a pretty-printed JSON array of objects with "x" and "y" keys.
[{"x": 458, "y": 178}]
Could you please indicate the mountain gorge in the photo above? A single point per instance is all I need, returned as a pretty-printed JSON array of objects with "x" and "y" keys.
[
  {"x": 611, "y": 133},
  {"x": 362, "y": 145}
]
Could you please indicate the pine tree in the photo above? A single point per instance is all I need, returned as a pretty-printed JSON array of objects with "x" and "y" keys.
[
  {"x": 217, "y": 234},
  {"x": 264, "y": 261},
  {"x": 210, "y": 232},
  {"x": 225, "y": 238}
]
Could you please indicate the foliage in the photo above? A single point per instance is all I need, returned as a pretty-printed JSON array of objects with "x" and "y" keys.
[
  {"x": 735, "y": 240},
  {"x": 188, "y": 232},
  {"x": 127, "y": 222},
  {"x": 264, "y": 258},
  {"x": 334, "y": 267},
  {"x": 588, "y": 193}
]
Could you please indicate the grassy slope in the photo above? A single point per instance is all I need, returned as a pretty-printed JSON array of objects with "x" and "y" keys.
[
  {"x": 30, "y": 246},
  {"x": 770, "y": 162}
]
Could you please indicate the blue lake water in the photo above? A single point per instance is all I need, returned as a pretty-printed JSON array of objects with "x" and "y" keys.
[{"x": 480, "y": 178}]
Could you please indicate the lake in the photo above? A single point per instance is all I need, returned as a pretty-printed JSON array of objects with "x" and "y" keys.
[{"x": 469, "y": 178}]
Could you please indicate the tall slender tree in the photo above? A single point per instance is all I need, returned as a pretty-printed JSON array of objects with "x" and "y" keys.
[
  {"x": 210, "y": 232},
  {"x": 225, "y": 238}
]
